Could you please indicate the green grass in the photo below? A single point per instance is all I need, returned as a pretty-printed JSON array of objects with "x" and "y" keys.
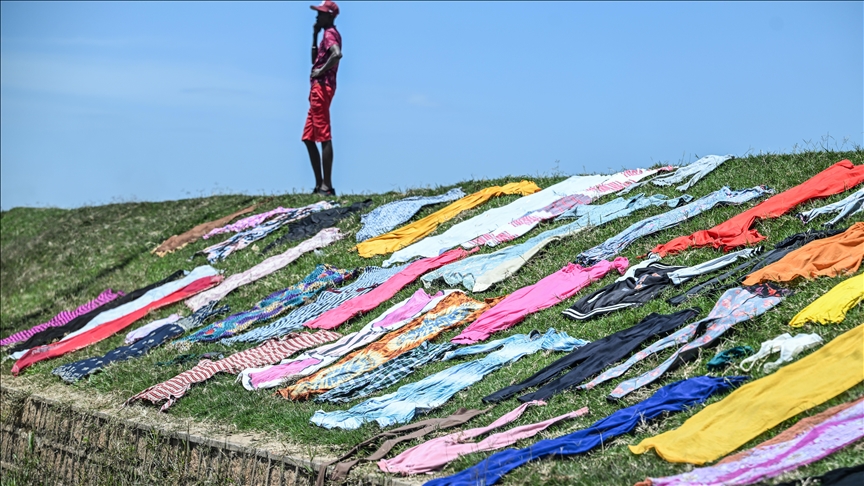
[{"x": 55, "y": 259}]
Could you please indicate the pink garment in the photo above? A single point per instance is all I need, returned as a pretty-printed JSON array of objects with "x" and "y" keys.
[
  {"x": 63, "y": 317},
  {"x": 247, "y": 223},
  {"x": 268, "y": 266},
  {"x": 436, "y": 453},
  {"x": 366, "y": 302},
  {"x": 547, "y": 292},
  {"x": 415, "y": 304},
  {"x": 146, "y": 329},
  {"x": 282, "y": 370}
]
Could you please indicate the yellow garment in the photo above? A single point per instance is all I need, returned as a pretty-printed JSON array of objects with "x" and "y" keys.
[
  {"x": 722, "y": 427},
  {"x": 833, "y": 306},
  {"x": 404, "y": 236}
]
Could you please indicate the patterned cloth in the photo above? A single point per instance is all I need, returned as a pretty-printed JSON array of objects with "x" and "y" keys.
[
  {"x": 388, "y": 216},
  {"x": 63, "y": 317},
  {"x": 249, "y": 222},
  {"x": 139, "y": 333},
  {"x": 844, "y": 208},
  {"x": 314, "y": 223},
  {"x": 322, "y": 277},
  {"x": 176, "y": 242},
  {"x": 75, "y": 371},
  {"x": 220, "y": 251},
  {"x": 267, "y": 353}
]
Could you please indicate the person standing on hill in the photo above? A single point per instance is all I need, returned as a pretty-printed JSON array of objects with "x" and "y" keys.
[{"x": 325, "y": 63}]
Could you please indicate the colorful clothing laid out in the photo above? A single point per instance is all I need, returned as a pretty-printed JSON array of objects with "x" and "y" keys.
[
  {"x": 480, "y": 272},
  {"x": 669, "y": 399},
  {"x": 222, "y": 250},
  {"x": 453, "y": 310},
  {"x": 63, "y": 317},
  {"x": 622, "y": 240},
  {"x": 722, "y": 427},
  {"x": 789, "y": 347},
  {"x": 549, "y": 291},
  {"x": 386, "y": 375},
  {"x": 494, "y": 219},
  {"x": 371, "y": 278},
  {"x": 388, "y": 216},
  {"x": 684, "y": 275},
  {"x": 322, "y": 277},
  {"x": 437, "y": 453},
  {"x": 79, "y": 369},
  {"x": 832, "y": 307},
  {"x": 826, "y": 257},
  {"x": 125, "y": 316},
  {"x": 406, "y": 235},
  {"x": 177, "y": 242},
  {"x": 433, "y": 391},
  {"x": 737, "y": 231},
  {"x": 248, "y": 222},
  {"x": 696, "y": 171},
  {"x": 311, "y": 361},
  {"x": 324, "y": 238},
  {"x": 846, "y": 207},
  {"x": 316, "y": 222},
  {"x": 268, "y": 353},
  {"x": 592, "y": 358},
  {"x": 384, "y": 292},
  {"x": 734, "y": 306},
  {"x": 137, "y": 334},
  {"x": 724, "y": 358}
]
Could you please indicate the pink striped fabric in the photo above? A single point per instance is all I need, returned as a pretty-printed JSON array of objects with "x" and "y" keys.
[
  {"x": 64, "y": 317},
  {"x": 271, "y": 352}
]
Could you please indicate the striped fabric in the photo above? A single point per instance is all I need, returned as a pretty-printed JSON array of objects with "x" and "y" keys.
[
  {"x": 62, "y": 318},
  {"x": 248, "y": 222},
  {"x": 268, "y": 353}
]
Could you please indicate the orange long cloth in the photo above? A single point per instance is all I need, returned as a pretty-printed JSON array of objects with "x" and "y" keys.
[
  {"x": 737, "y": 231},
  {"x": 177, "y": 242}
]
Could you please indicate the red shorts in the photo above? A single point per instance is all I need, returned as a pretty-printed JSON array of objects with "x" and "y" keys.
[{"x": 317, "y": 127}]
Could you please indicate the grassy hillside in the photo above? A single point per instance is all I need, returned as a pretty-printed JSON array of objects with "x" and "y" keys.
[{"x": 53, "y": 259}]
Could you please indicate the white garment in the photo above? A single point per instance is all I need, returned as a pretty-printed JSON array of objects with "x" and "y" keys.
[
  {"x": 788, "y": 346},
  {"x": 696, "y": 171},
  {"x": 146, "y": 329},
  {"x": 678, "y": 277}
]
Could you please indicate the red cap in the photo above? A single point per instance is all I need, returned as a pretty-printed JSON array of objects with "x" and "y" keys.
[{"x": 327, "y": 6}]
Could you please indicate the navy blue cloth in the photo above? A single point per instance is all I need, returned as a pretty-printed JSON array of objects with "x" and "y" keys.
[{"x": 670, "y": 398}]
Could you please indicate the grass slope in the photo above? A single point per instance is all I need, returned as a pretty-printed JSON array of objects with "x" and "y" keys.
[{"x": 55, "y": 259}]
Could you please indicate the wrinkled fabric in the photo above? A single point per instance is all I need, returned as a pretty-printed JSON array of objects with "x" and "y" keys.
[
  {"x": 844, "y": 208},
  {"x": 724, "y": 358},
  {"x": 669, "y": 399},
  {"x": 388, "y": 216},
  {"x": 436, "y": 453},
  {"x": 324, "y": 238},
  {"x": 177, "y": 242},
  {"x": 433, "y": 391},
  {"x": 268, "y": 353},
  {"x": 826, "y": 257},
  {"x": 722, "y": 427},
  {"x": 406, "y": 235},
  {"x": 137, "y": 334},
  {"x": 695, "y": 171},
  {"x": 63, "y": 317},
  {"x": 684, "y": 275},
  {"x": 316, "y": 222},
  {"x": 831, "y": 308},
  {"x": 622, "y": 240},
  {"x": 592, "y": 358},
  {"x": 737, "y": 231},
  {"x": 248, "y": 222},
  {"x": 549, "y": 291},
  {"x": 788, "y": 346},
  {"x": 453, "y": 310}
]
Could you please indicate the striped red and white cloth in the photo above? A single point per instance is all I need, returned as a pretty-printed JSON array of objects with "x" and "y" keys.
[{"x": 271, "y": 352}]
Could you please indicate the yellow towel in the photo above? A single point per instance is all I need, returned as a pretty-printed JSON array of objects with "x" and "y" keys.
[{"x": 832, "y": 307}]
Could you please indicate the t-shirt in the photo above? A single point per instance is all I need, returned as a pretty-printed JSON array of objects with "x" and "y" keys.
[{"x": 331, "y": 37}]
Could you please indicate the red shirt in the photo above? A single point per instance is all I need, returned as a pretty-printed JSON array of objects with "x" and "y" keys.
[{"x": 331, "y": 37}]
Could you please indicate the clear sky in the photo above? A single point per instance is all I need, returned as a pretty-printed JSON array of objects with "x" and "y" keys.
[{"x": 103, "y": 101}]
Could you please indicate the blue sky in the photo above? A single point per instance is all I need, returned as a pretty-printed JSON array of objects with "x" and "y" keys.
[{"x": 103, "y": 102}]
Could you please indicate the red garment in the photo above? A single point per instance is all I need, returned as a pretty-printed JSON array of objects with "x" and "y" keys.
[
  {"x": 366, "y": 302},
  {"x": 108, "y": 329},
  {"x": 737, "y": 231},
  {"x": 317, "y": 127}
]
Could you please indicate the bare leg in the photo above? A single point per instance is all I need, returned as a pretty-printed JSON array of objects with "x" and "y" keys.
[
  {"x": 315, "y": 159},
  {"x": 327, "y": 156}
]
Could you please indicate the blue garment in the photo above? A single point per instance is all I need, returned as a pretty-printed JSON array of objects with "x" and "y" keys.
[
  {"x": 479, "y": 272},
  {"x": 388, "y": 216},
  {"x": 617, "y": 243},
  {"x": 671, "y": 398},
  {"x": 75, "y": 371},
  {"x": 853, "y": 204},
  {"x": 433, "y": 391},
  {"x": 329, "y": 299}
]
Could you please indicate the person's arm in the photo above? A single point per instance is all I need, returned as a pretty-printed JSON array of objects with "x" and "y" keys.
[
  {"x": 315, "y": 43},
  {"x": 333, "y": 60}
]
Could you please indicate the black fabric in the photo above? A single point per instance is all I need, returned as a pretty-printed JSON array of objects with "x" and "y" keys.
[
  {"x": 725, "y": 281},
  {"x": 54, "y": 333},
  {"x": 594, "y": 357},
  {"x": 315, "y": 222},
  {"x": 645, "y": 284},
  {"x": 844, "y": 476}
]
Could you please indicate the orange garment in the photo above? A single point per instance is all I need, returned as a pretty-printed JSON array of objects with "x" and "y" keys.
[
  {"x": 404, "y": 236},
  {"x": 454, "y": 310},
  {"x": 177, "y": 242},
  {"x": 827, "y": 257}
]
